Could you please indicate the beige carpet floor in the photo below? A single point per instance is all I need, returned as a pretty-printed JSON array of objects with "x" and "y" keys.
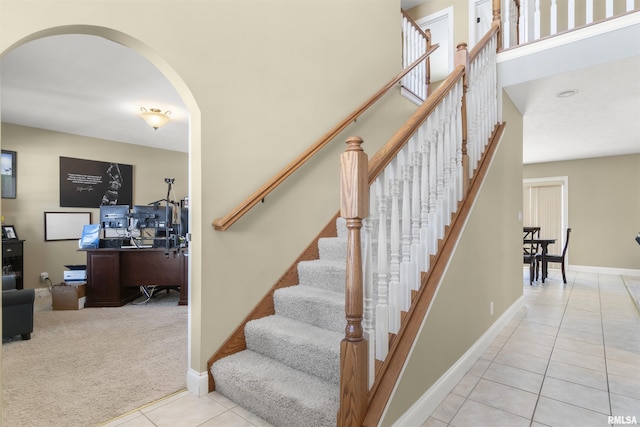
[{"x": 85, "y": 367}]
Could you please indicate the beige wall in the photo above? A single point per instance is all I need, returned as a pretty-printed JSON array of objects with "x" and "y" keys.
[
  {"x": 485, "y": 268},
  {"x": 38, "y": 173},
  {"x": 262, "y": 80},
  {"x": 604, "y": 209}
]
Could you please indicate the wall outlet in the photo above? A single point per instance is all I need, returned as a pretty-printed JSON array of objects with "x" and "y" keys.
[
  {"x": 491, "y": 308},
  {"x": 44, "y": 276}
]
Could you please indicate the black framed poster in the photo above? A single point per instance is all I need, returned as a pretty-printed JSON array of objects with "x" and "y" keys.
[{"x": 91, "y": 184}]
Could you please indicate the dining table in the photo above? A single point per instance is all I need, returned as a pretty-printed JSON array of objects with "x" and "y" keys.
[{"x": 544, "y": 245}]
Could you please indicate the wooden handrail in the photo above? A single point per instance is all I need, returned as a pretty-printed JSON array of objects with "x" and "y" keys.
[
  {"x": 222, "y": 224},
  {"x": 495, "y": 27},
  {"x": 386, "y": 154},
  {"x": 414, "y": 25}
]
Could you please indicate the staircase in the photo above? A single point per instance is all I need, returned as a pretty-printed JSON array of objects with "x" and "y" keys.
[{"x": 289, "y": 373}]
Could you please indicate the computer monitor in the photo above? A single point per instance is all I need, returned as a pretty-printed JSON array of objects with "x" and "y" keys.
[
  {"x": 151, "y": 216},
  {"x": 114, "y": 216},
  {"x": 143, "y": 216}
]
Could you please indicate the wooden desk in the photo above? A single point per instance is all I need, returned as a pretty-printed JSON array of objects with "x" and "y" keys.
[{"x": 114, "y": 275}]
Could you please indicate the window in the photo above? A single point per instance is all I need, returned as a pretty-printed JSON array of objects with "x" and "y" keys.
[{"x": 545, "y": 206}]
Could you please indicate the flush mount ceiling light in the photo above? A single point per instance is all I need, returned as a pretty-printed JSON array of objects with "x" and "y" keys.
[
  {"x": 567, "y": 93},
  {"x": 154, "y": 117}
]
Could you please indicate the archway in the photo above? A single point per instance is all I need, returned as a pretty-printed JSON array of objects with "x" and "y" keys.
[{"x": 193, "y": 135}]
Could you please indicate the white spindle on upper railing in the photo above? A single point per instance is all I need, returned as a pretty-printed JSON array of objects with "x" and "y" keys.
[
  {"x": 571, "y": 14},
  {"x": 589, "y": 18},
  {"x": 523, "y": 22},
  {"x": 531, "y": 26},
  {"x": 481, "y": 102},
  {"x": 414, "y": 45}
]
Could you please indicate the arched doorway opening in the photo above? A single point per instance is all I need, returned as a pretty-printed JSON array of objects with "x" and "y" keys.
[{"x": 94, "y": 120}]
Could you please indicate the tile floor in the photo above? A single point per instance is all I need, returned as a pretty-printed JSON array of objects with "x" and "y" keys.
[{"x": 570, "y": 357}]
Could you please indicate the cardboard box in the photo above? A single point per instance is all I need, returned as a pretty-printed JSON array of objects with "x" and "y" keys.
[{"x": 69, "y": 296}]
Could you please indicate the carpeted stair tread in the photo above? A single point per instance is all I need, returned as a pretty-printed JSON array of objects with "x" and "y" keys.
[
  {"x": 277, "y": 393},
  {"x": 324, "y": 274},
  {"x": 318, "y": 307},
  {"x": 299, "y": 345}
]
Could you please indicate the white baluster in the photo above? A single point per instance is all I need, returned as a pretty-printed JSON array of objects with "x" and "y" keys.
[
  {"x": 554, "y": 17},
  {"x": 367, "y": 278},
  {"x": 506, "y": 24},
  {"x": 453, "y": 169},
  {"x": 459, "y": 164},
  {"x": 609, "y": 9},
  {"x": 446, "y": 165},
  {"x": 571, "y": 14},
  {"x": 382, "y": 307},
  {"x": 416, "y": 191},
  {"x": 523, "y": 22},
  {"x": 425, "y": 237},
  {"x": 406, "y": 270},
  {"x": 432, "y": 169},
  {"x": 440, "y": 173},
  {"x": 589, "y": 17},
  {"x": 394, "y": 240},
  {"x": 536, "y": 20},
  {"x": 630, "y": 5}
]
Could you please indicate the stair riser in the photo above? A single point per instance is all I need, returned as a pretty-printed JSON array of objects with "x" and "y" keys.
[
  {"x": 333, "y": 278},
  {"x": 327, "y": 313}
]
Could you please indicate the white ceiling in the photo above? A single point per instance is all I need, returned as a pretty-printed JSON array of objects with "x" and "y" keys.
[
  {"x": 90, "y": 86},
  {"x": 87, "y": 85}
]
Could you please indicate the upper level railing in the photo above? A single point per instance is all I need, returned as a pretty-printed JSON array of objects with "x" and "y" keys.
[
  {"x": 525, "y": 21},
  {"x": 414, "y": 43},
  {"x": 222, "y": 224},
  {"x": 414, "y": 186}
]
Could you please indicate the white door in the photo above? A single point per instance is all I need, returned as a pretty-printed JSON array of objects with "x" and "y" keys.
[
  {"x": 484, "y": 16},
  {"x": 440, "y": 24}
]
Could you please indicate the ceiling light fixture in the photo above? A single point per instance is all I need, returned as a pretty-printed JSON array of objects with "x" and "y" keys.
[
  {"x": 154, "y": 117},
  {"x": 567, "y": 93}
]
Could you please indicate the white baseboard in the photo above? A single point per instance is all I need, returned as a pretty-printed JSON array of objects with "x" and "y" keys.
[
  {"x": 603, "y": 270},
  {"x": 197, "y": 382},
  {"x": 428, "y": 402}
]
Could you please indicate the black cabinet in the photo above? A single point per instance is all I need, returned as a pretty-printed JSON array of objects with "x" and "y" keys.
[{"x": 12, "y": 261}]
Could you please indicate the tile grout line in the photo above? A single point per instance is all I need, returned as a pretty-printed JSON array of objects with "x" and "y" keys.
[
  {"x": 544, "y": 376},
  {"x": 604, "y": 346}
]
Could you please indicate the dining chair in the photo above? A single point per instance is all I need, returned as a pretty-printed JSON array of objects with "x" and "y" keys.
[
  {"x": 530, "y": 251},
  {"x": 556, "y": 258}
]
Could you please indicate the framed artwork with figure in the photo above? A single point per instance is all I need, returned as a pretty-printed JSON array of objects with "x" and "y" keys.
[{"x": 9, "y": 232}]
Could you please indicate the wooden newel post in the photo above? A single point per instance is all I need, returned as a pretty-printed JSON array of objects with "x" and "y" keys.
[
  {"x": 462, "y": 58},
  {"x": 354, "y": 207},
  {"x": 496, "y": 10}
]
